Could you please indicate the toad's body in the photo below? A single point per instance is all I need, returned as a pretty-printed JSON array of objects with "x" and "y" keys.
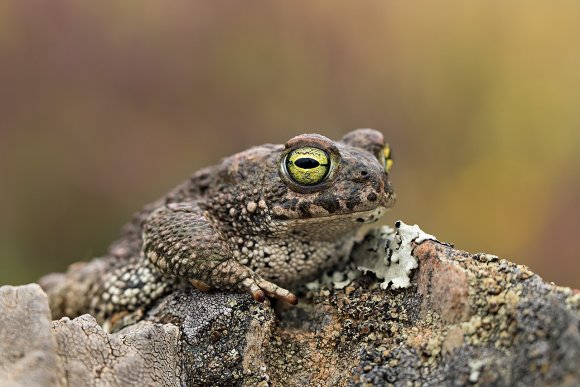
[{"x": 263, "y": 220}]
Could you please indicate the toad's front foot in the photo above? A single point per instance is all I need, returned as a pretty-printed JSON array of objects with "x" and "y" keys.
[
  {"x": 259, "y": 288},
  {"x": 232, "y": 274}
]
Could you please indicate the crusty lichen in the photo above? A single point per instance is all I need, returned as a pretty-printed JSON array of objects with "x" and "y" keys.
[{"x": 385, "y": 252}]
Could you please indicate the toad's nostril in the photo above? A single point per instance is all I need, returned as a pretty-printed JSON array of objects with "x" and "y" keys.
[{"x": 364, "y": 173}]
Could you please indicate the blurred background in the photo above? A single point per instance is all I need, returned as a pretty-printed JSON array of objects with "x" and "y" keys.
[{"x": 105, "y": 106}]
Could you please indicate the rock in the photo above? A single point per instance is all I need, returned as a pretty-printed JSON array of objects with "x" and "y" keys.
[
  {"x": 464, "y": 319},
  {"x": 189, "y": 338},
  {"x": 147, "y": 354},
  {"x": 28, "y": 349}
]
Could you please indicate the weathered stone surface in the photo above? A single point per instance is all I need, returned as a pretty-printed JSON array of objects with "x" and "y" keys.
[
  {"x": 465, "y": 319},
  {"x": 223, "y": 336},
  {"x": 27, "y": 347},
  {"x": 189, "y": 338},
  {"x": 146, "y": 355}
]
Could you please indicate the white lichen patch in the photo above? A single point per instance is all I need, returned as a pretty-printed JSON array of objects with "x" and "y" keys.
[
  {"x": 475, "y": 367},
  {"x": 385, "y": 252}
]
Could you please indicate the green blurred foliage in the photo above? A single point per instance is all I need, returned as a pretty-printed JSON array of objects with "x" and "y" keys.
[{"x": 106, "y": 105}]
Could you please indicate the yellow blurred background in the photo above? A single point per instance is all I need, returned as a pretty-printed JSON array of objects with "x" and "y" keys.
[{"x": 106, "y": 105}]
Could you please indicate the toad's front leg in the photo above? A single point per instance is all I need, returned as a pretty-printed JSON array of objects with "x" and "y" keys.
[{"x": 180, "y": 240}]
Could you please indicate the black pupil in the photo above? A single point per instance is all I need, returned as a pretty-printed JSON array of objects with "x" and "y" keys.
[{"x": 306, "y": 163}]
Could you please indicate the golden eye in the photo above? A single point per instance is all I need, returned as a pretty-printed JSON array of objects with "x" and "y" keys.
[
  {"x": 385, "y": 158},
  {"x": 308, "y": 166}
]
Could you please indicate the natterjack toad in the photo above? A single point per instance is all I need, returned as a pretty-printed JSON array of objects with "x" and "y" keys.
[{"x": 261, "y": 221}]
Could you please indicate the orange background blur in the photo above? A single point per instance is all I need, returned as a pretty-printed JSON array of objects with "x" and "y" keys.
[{"x": 106, "y": 105}]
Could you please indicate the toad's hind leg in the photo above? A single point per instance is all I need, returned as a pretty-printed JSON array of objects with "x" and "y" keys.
[{"x": 129, "y": 290}]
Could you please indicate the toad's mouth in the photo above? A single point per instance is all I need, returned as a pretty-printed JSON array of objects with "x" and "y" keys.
[{"x": 360, "y": 217}]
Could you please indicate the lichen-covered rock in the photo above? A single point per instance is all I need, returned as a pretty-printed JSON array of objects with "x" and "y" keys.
[{"x": 464, "y": 319}]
